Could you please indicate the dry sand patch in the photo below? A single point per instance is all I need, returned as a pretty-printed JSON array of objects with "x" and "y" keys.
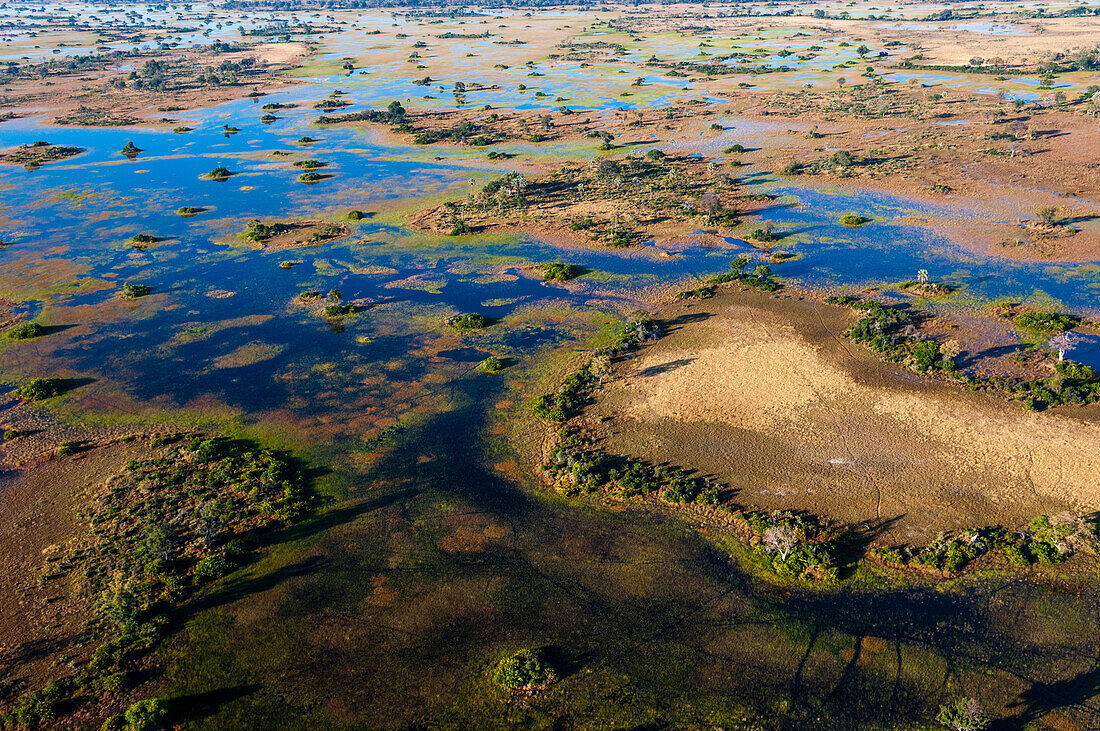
[{"x": 764, "y": 396}]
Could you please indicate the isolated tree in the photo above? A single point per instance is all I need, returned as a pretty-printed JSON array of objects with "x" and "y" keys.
[
  {"x": 710, "y": 204},
  {"x": 1048, "y": 215},
  {"x": 965, "y": 714},
  {"x": 922, "y": 276},
  {"x": 158, "y": 542},
  {"x": 780, "y": 540},
  {"x": 738, "y": 265},
  {"x": 213, "y": 515},
  {"x": 1063, "y": 343}
]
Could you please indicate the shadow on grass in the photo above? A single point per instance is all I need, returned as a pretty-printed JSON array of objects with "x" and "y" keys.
[{"x": 805, "y": 658}]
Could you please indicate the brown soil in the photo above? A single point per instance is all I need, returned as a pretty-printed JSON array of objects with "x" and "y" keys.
[
  {"x": 767, "y": 395},
  {"x": 42, "y": 617},
  {"x": 87, "y": 95}
]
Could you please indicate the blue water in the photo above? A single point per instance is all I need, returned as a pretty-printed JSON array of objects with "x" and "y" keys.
[{"x": 85, "y": 210}]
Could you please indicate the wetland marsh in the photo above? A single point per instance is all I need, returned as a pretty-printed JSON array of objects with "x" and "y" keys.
[{"x": 553, "y": 367}]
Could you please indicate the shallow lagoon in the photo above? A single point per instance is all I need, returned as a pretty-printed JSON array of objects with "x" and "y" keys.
[{"x": 83, "y": 212}]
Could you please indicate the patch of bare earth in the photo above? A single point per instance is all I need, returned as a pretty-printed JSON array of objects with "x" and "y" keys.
[
  {"x": 767, "y": 395},
  {"x": 42, "y": 616}
]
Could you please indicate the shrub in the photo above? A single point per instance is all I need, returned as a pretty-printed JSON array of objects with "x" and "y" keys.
[
  {"x": 145, "y": 715},
  {"x": 1044, "y": 552},
  {"x": 188, "y": 211},
  {"x": 524, "y": 670},
  {"x": 25, "y": 331},
  {"x": 1046, "y": 322},
  {"x": 853, "y": 220},
  {"x": 964, "y": 714},
  {"x": 133, "y": 291},
  {"x": 219, "y": 173},
  {"x": 468, "y": 321},
  {"x": 558, "y": 271},
  {"x": 36, "y": 707},
  {"x": 116, "y": 722},
  {"x": 39, "y": 388},
  {"x": 492, "y": 364},
  {"x": 310, "y": 177},
  {"x": 333, "y": 310},
  {"x": 113, "y": 682},
  {"x": 550, "y": 406},
  {"x": 925, "y": 354},
  {"x": 211, "y": 567}
]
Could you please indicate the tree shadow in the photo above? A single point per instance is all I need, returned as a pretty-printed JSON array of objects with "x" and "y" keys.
[
  {"x": 197, "y": 706},
  {"x": 662, "y": 368}
]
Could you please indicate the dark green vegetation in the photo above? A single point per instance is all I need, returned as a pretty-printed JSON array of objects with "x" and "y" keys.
[
  {"x": 492, "y": 364},
  {"x": 575, "y": 390},
  {"x": 311, "y": 177},
  {"x": 1043, "y": 541},
  {"x": 35, "y": 154},
  {"x": 171, "y": 525},
  {"x": 760, "y": 278},
  {"x": 219, "y": 174},
  {"x": 524, "y": 670},
  {"x": 636, "y": 191},
  {"x": 842, "y": 163},
  {"x": 795, "y": 545},
  {"x": 144, "y": 239},
  {"x": 394, "y": 114},
  {"x": 468, "y": 321},
  {"x": 1046, "y": 323},
  {"x": 132, "y": 291},
  {"x": 39, "y": 389},
  {"x": 188, "y": 211},
  {"x": 130, "y": 149},
  {"x": 259, "y": 231},
  {"x": 558, "y": 272},
  {"x": 891, "y": 332},
  {"x": 25, "y": 331},
  {"x": 576, "y": 466},
  {"x": 854, "y": 220}
]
